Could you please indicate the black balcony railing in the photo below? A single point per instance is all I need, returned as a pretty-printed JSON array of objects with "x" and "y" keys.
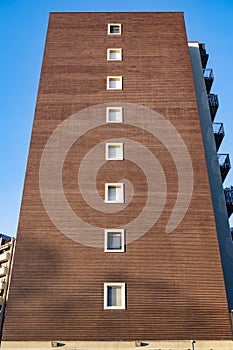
[
  {"x": 209, "y": 78},
  {"x": 228, "y": 191},
  {"x": 204, "y": 55},
  {"x": 218, "y": 134},
  {"x": 225, "y": 164},
  {"x": 213, "y": 105}
]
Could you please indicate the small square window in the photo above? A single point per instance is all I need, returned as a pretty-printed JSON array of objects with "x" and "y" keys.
[
  {"x": 114, "y": 83},
  {"x": 114, "y": 151},
  {"x": 114, "y": 114},
  {"x": 114, "y": 54},
  {"x": 114, "y": 193},
  {"x": 114, "y": 29},
  {"x": 114, "y": 240},
  {"x": 114, "y": 296}
]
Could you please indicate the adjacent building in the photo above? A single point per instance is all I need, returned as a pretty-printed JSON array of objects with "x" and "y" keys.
[
  {"x": 6, "y": 258},
  {"x": 123, "y": 216}
]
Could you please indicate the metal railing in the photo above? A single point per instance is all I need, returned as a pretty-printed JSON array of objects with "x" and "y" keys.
[
  {"x": 224, "y": 161},
  {"x": 213, "y": 100},
  {"x": 208, "y": 73},
  {"x": 202, "y": 49},
  {"x": 218, "y": 129},
  {"x": 231, "y": 233},
  {"x": 203, "y": 54},
  {"x": 228, "y": 191}
]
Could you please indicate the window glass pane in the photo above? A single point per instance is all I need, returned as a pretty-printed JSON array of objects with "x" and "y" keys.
[
  {"x": 114, "y": 29},
  {"x": 112, "y": 116},
  {"x": 112, "y": 152},
  {"x": 114, "y": 240},
  {"x": 114, "y": 296},
  {"x": 111, "y": 301},
  {"x": 118, "y": 296},
  {"x": 112, "y": 192},
  {"x": 112, "y": 83},
  {"x": 115, "y": 54}
]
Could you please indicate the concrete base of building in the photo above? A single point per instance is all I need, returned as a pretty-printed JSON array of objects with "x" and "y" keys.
[{"x": 93, "y": 345}]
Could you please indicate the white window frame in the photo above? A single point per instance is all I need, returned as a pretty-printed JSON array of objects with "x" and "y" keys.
[
  {"x": 114, "y": 24},
  {"x": 119, "y": 151},
  {"x": 120, "y": 196},
  {"x": 109, "y": 250},
  {"x": 123, "y": 296},
  {"x": 119, "y": 115},
  {"x": 119, "y": 82},
  {"x": 114, "y": 59}
]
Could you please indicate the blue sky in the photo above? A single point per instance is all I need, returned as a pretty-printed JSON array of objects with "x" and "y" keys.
[{"x": 23, "y": 25}]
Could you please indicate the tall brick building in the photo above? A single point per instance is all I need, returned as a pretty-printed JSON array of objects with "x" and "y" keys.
[{"x": 117, "y": 237}]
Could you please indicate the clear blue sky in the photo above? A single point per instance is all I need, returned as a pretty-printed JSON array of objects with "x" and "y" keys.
[{"x": 23, "y": 25}]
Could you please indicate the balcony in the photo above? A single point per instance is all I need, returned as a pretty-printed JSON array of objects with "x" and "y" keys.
[
  {"x": 209, "y": 78},
  {"x": 213, "y": 105},
  {"x": 5, "y": 247},
  {"x": 204, "y": 55},
  {"x": 225, "y": 165},
  {"x": 3, "y": 271},
  {"x": 4, "y": 257},
  {"x": 2, "y": 285},
  {"x": 218, "y": 134},
  {"x": 229, "y": 202}
]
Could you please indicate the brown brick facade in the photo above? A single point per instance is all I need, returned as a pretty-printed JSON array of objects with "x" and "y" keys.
[{"x": 174, "y": 282}]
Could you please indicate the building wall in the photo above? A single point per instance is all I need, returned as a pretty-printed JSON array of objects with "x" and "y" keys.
[{"x": 174, "y": 282}]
